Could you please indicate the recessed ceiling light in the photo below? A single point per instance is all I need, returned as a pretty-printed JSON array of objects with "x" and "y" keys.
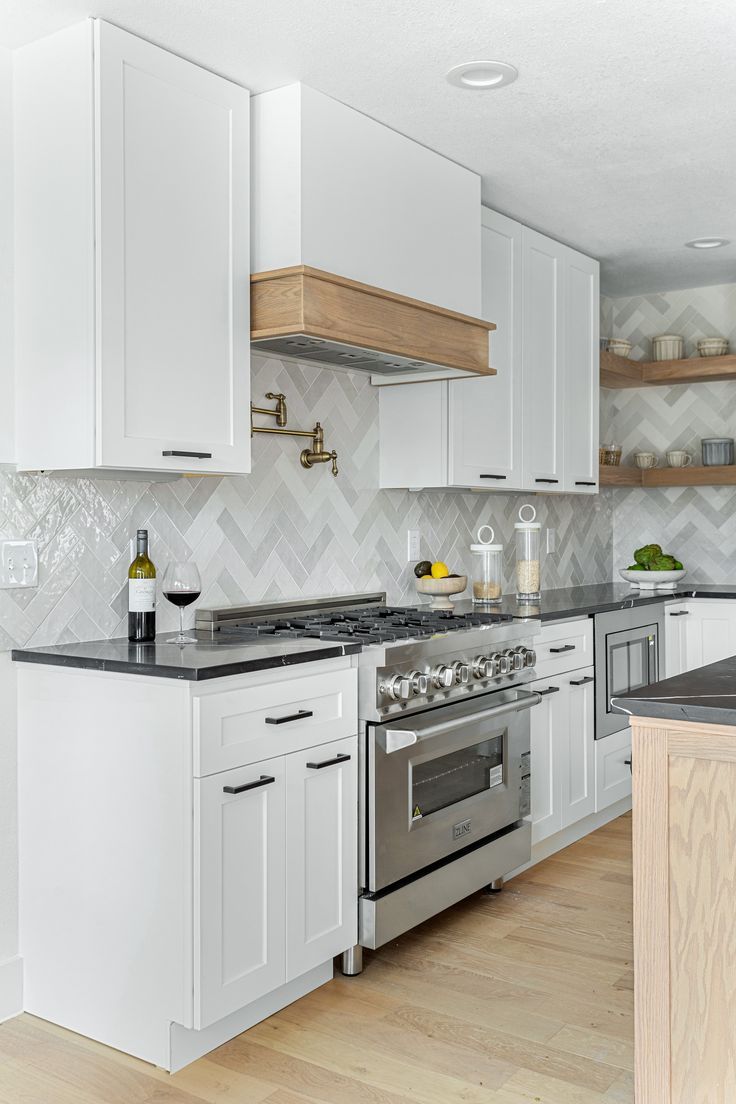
[
  {"x": 707, "y": 243},
  {"x": 481, "y": 75}
]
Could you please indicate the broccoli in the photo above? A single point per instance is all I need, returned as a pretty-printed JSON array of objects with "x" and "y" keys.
[{"x": 647, "y": 553}]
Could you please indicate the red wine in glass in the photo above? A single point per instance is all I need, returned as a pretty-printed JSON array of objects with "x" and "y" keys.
[{"x": 182, "y": 586}]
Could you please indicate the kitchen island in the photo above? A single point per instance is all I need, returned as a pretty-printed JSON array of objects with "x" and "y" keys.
[{"x": 684, "y": 854}]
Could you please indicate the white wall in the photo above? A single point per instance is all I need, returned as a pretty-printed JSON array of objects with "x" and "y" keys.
[{"x": 10, "y": 974}]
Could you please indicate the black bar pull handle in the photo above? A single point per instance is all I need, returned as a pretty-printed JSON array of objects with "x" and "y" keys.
[
  {"x": 564, "y": 648},
  {"x": 301, "y": 715},
  {"x": 264, "y": 780},
  {"x": 680, "y": 613},
  {"x": 484, "y": 476},
  {"x": 627, "y": 763},
  {"x": 190, "y": 455},
  {"x": 329, "y": 762},
  {"x": 546, "y": 481},
  {"x": 582, "y": 681},
  {"x": 549, "y": 690},
  {"x": 584, "y": 483}
]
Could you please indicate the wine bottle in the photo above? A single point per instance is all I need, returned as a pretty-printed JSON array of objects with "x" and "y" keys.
[{"x": 141, "y": 594}]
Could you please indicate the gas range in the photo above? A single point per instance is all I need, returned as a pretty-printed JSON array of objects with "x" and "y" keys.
[{"x": 413, "y": 657}]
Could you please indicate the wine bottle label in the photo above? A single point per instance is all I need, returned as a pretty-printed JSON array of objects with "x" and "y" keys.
[{"x": 141, "y": 595}]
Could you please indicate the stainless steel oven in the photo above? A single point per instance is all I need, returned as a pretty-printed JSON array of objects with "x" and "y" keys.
[
  {"x": 447, "y": 793},
  {"x": 629, "y": 654}
]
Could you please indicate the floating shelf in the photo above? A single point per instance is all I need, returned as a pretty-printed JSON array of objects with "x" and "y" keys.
[
  {"x": 716, "y": 476},
  {"x": 618, "y": 372}
]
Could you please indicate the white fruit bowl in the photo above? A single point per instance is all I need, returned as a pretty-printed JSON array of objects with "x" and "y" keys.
[
  {"x": 653, "y": 580},
  {"x": 441, "y": 589}
]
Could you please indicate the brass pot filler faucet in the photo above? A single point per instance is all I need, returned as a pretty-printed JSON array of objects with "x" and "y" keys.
[{"x": 309, "y": 457}]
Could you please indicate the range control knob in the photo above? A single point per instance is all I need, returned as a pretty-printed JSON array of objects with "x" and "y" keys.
[
  {"x": 515, "y": 657},
  {"x": 483, "y": 667},
  {"x": 442, "y": 676},
  {"x": 419, "y": 682},
  {"x": 530, "y": 657},
  {"x": 398, "y": 688},
  {"x": 461, "y": 672},
  {"x": 503, "y": 662}
]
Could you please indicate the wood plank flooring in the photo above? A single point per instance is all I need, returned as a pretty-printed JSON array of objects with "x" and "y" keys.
[{"x": 519, "y": 998}]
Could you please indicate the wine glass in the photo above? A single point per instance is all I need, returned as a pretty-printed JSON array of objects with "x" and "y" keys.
[{"x": 182, "y": 586}]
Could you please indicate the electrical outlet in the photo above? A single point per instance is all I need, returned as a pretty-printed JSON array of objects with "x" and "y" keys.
[
  {"x": 413, "y": 545},
  {"x": 551, "y": 540},
  {"x": 18, "y": 564}
]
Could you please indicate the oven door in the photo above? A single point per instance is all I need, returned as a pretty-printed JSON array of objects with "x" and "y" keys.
[
  {"x": 444, "y": 779},
  {"x": 631, "y": 661}
]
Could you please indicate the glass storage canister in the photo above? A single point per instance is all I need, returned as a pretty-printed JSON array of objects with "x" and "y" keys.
[
  {"x": 487, "y": 567},
  {"x": 528, "y": 533}
]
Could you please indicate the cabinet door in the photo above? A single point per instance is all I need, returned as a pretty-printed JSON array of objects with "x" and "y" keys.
[
  {"x": 710, "y": 632},
  {"x": 240, "y": 888},
  {"x": 676, "y": 616},
  {"x": 322, "y": 854},
  {"x": 172, "y": 211},
  {"x": 543, "y": 356},
  {"x": 612, "y": 769},
  {"x": 485, "y": 414},
  {"x": 578, "y": 782},
  {"x": 582, "y": 374},
  {"x": 548, "y": 728}
]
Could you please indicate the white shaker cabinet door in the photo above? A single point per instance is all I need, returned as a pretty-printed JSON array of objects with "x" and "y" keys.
[
  {"x": 548, "y": 746},
  {"x": 173, "y": 339},
  {"x": 578, "y": 784},
  {"x": 322, "y": 854},
  {"x": 543, "y": 359},
  {"x": 240, "y": 888},
  {"x": 485, "y": 414},
  {"x": 582, "y": 374},
  {"x": 676, "y": 615},
  {"x": 710, "y": 631}
]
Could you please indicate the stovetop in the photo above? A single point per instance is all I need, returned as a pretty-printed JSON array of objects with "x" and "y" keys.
[{"x": 367, "y": 625}]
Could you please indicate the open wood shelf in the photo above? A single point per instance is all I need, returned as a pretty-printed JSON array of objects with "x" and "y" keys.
[
  {"x": 618, "y": 372},
  {"x": 715, "y": 476}
]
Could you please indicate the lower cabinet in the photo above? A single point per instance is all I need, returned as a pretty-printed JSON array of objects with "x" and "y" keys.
[
  {"x": 562, "y": 745},
  {"x": 698, "y": 632},
  {"x": 612, "y": 768},
  {"x": 275, "y": 874}
]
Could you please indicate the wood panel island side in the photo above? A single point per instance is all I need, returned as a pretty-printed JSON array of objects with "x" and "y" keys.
[{"x": 684, "y": 856}]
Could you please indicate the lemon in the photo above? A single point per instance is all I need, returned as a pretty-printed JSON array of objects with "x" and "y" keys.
[
  {"x": 426, "y": 576},
  {"x": 440, "y": 570}
]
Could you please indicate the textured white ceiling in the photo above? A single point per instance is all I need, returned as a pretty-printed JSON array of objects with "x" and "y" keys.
[{"x": 619, "y": 136}]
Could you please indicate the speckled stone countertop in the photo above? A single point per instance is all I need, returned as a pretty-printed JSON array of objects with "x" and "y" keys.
[
  {"x": 208, "y": 658},
  {"x": 595, "y": 598},
  {"x": 707, "y": 694}
]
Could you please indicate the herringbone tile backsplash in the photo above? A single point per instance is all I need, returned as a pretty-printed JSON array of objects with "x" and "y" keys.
[
  {"x": 698, "y": 524},
  {"x": 280, "y": 532}
]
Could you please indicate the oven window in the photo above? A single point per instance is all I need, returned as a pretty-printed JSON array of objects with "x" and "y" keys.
[
  {"x": 628, "y": 664},
  {"x": 451, "y": 778}
]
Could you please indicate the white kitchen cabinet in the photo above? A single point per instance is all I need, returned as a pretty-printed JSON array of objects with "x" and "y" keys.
[
  {"x": 563, "y": 756},
  {"x": 676, "y": 616},
  {"x": 706, "y": 627},
  {"x": 338, "y": 191},
  {"x": 240, "y": 888},
  {"x": 322, "y": 854},
  {"x": 612, "y": 769},
  {"x": 533, "y": 426},
  {"x": 484, "y": 446},
  {"x": 132, "y": 245}
]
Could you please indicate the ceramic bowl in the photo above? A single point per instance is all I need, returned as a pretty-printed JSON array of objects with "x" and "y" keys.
[
  {"x": 653, "y": 580},
  {"x": 441, "y": 589},
  {"x": 667, "y": 347},
  {"x": 712, "y": 346},
  {"x": 619, "y": 347}
]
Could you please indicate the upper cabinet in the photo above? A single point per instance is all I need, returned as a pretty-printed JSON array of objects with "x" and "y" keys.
[
  {"x": 132, "y": 246},
  {"x": 534, "y": 425},
  {"x": 340, "y": 192}
]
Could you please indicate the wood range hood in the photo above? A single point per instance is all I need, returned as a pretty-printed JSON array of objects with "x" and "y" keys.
[{"x": 305, "y": 314}]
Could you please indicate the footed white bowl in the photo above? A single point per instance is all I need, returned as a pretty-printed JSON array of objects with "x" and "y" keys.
[
  {"x": 442, "y": 590},
  {"x": 653, "y": 580}
]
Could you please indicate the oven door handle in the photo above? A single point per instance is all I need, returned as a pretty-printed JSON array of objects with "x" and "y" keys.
[{"x": 395, "y": 739}]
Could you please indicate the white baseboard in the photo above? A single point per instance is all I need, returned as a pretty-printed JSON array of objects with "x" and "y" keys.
[
  {"x": 572, "y": 834},
  {"x": 11, "y": 988}
]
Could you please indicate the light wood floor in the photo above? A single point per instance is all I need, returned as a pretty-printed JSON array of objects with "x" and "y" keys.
[{"x": 520, "y": 998}]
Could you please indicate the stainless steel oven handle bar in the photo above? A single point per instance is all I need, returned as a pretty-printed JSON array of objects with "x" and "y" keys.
[{"x": 398, "y": 738}]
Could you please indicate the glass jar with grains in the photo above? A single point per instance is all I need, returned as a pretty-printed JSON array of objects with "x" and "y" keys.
[
  {"x": 487, "y": 565},
  {"x": 528, "y": 532}
]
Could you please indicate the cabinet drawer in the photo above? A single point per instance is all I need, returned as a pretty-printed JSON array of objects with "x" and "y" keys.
[
  {"x": 612, "y": 772},
  {"x": 564, "y": 647},
  {"x": 244, "y": 726}
]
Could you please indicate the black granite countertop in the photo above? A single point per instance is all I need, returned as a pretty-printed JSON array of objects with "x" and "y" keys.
[
  {"x": 707, "y": 694},
  {"x": 208, "y": 658},
  {"x": 598, "y": 597}
]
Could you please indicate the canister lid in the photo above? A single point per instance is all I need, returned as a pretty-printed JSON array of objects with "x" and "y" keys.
[
  {"x": 527, "y": 523},
  {"x": 485, "y": 543}
]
